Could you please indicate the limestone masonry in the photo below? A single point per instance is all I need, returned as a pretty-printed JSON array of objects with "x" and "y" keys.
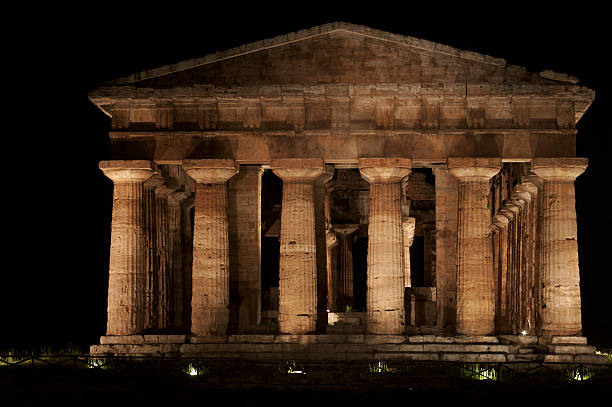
[{"x": 343, "y": 193}]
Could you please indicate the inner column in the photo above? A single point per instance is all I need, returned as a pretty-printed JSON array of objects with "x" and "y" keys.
[
  {"x": 385, "y": 275},
  {"x": 210, "y": 270},
  {"x": 298, "y": 263},
  {"x": 475, "y": 277},
  {"x": 345, "y": 266}
]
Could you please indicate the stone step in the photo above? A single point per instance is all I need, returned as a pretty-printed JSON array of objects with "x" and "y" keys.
[{"x": 572, "y": 349}]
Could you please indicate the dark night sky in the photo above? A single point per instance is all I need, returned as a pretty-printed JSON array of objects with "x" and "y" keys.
[{"x": 58, "y": 204}]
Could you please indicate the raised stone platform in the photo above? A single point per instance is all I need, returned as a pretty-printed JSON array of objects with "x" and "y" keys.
[{"x": 338, "y": 347}]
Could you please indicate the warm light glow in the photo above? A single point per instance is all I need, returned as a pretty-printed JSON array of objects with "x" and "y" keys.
[
  {"x": 523, "y": 332},
  {"x": 193, "y": 371}
]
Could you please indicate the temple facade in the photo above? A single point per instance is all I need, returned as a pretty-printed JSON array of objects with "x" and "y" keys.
[{"x": 342, "y": 191}]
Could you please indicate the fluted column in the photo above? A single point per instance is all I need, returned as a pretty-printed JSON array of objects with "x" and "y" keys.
[
  {"x": 559, "y": 246},
  {"x": 447, "y": 190},
  {"x": 297, "y": 263},
  {"x": 210, "y": 270},
  {"x": 475, "y": 279},
  {"x": 345, "y": 265},
  {"x": 385, "y": 275},
  {"x": 126, "y": 301},
  {"x": 176, "y": 259},
  {"x": 331, "y": 241},
  {"x": 408, "y": 227},
  {"x": 163, "y": 291}
]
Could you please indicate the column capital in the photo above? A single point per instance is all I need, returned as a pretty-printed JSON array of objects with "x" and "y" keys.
[
  {"x": 297, "y": 169},
  {"x": 474, "y": 168},
  {"x": 384, "y": 169},
  {"x": 345, "y": 229},
  {"x": 210, "y": 171},
  {"x": 559, "y": 168},
  {"x": 127, "y": 171},
  {"x": 501, "y": 221},
  {"x": 168, "y": 187}
]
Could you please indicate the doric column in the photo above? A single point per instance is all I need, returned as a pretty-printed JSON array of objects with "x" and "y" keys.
[
  {"x": 297, "y": 263},
  {"x": 322, "y": 224},
  {"x": 210, "y": 270},
  {"x": 245, "y": 243},
  {"x": 126, "y": 301},
  {"x": 331, "y": 241},
  {"x": 500, "y": 247},
  {"x": 385, "y": 275},
  {"x": 559, "y": 246},
  {"x": 176, "y": 259},
  {"x": 163, "y": 275},
  {"x": 447, "y": 190},
  {"x": 408, "y": 227},
  {"x": 345, "y": 265},
  {"x": 151, "y": 254},
  {"x": 475, "y": 284}
]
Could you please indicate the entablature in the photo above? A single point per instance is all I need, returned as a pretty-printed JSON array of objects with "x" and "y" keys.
[{"x": 346, "y": 106}]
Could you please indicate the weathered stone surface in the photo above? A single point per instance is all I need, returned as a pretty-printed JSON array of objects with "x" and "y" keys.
[
  {"x": 493, "y": 251},
  {"x": 244, "y": 216},
  {"x": 559, "y": 247},
  {"x": 126, "y": 301},
  {"x": 475, "y": 284},
  {"x": 298, "y": 262},
  {"x": 447, "y": 190},
  {"x": 210, "y": 274},
  {"x": 385, "y": 280}
]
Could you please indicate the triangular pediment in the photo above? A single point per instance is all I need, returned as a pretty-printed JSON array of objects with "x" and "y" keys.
[{"x": 337, "y": 53}]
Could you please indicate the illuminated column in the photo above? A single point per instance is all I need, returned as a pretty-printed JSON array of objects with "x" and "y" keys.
[
  {"x": 175, "y": 201},
  {"x": 331, "y": 241},
  {"x": 210, "y": 270},
  {"x": 297, "y": 263},
  {"x": 408, "y": 227},
  {"x": 446, "y": 247},
  {"x": 345, "y": 269},
  {"x": 126, "y": 301},
  {"x": 559, "y": 246},
  {"x": 475, "y": 276},
  {"x": 163, "y": 275},
  {"x": 385, "y": 275},
  {"x": 245, "y": 242}
]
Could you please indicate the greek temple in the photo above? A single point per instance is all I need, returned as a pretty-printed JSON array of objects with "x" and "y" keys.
[{"x": 344, "y": 193}]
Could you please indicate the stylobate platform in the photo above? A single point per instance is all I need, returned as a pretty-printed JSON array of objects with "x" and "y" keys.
[{"x": 486, "y": 349}]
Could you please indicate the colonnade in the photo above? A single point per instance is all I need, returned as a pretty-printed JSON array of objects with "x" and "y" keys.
[{"x": 476, "y": 288}]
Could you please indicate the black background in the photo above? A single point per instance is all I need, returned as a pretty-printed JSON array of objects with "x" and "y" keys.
[{"x": 57, "y": 204}]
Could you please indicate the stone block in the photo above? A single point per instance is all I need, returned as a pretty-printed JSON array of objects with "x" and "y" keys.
[
  {"x": 208, "y": 339},
  {"x": 475, "y": 339},
  {"x": 442, "y": 347},
  {"x": 420, "y": 338},
  {"x": 443, "y": 339},
  {"x": 355, "y": 338},
  {"x": 122, "y": 339},
  {"x": 410, "y": 347},
  {"x": 559, "y": 358},
  {"x": 520, "y": 339},
  {"x": 574, "y": 340},
  {"x": 250, "y": 339},
  {"x": 474, "y": 357},
  {"x": 331, "y": 338},
  {"x": 573, "y": 349},
  {"x": 176, "y": 338},
  {"x": 376, "y": 339}
]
